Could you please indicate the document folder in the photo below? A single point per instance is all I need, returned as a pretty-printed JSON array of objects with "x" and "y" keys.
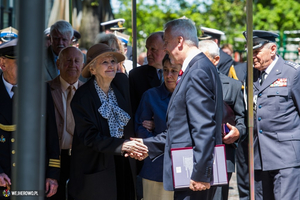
[{"x": 182, "y": 166}]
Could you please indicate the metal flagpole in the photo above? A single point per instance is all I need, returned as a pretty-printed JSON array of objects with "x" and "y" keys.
[
  {"x": 250, "y": 95},
  {"x": 134, "y": 33},
  {"x": 28, "y": 168}
]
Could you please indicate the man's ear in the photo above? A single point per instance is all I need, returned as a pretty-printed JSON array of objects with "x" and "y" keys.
[
  {"x": 180, "y": 40},
  {"x": 2, "y": 64},
  {"x": 216, "y": 60},
  {"x": 273, "y": 50}
]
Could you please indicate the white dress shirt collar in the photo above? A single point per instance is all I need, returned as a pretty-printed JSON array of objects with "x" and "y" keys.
[
  {"x": 188, "y": 59},
  {"x": 64, "y": 84},
  {"x": 8, "y": 87},
  {"x": 268, "y": 70}
]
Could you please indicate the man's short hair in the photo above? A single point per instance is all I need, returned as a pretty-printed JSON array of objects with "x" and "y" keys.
[
  {"x": 62, "y": 27},
  {"x": 185, "y": 28},
  {"x": 210, "y": 47}
]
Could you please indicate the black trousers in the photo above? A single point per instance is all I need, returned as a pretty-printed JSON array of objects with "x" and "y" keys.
[
  {"x": 242, "y": 170},
  {"x": 65, "y": 164}
]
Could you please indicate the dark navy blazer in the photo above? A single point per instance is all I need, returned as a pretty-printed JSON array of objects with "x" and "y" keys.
[{"x": 154, "y": 104}]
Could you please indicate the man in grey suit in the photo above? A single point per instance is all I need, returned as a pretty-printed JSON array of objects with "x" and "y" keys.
[
  {"x": 61, "y": 35},
  {"x": 276, "y": 121},
  {"x": 235, "y": 120},
  {"x": 194, "y": 115}
]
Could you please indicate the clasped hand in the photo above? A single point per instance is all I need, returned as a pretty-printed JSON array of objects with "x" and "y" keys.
[{"x": 135, "y": 149}]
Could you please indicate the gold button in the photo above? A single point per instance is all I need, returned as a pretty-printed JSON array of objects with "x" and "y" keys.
[
  {"x": 12, "y": 140},
  {"x": 14, "y": 164},
  {"x": 13, "y": 152}
]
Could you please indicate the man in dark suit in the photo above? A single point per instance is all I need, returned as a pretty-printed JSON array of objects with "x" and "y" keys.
[
  {"x": 194, "y": 115},
  {"x": 233, "y": 97},
  {"x": 276, "y": 121},
  {"x": 147, "y": 76},
  {"x": 225, "y": 60},
  {"x": 8, "y": 83},
  {"x": 70, "y": 63},
  {"x": 61, "y": 35}
]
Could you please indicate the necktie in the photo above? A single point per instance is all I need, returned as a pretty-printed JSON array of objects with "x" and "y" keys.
[
  {"x": 70, "y": 119},
  {"x": 55, "y": 59},
  {"x": 14, "y": 90},
  {"x": 262, "y": 77},
  {"x": 179, "y": 76}
]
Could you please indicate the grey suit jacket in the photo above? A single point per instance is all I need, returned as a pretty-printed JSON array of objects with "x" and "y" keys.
[
  {"x": 194, "y": 118},
  {"x": 277, "y": 119},
  {"x": 58, "y": 104},
  {"x": 50, "y": 65},
  {"x": 233, "y": 97}
]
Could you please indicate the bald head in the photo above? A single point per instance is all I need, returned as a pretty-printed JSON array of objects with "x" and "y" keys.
[
  {"x": 155, "y": 49},
  {"x": 70, "y": 63}
]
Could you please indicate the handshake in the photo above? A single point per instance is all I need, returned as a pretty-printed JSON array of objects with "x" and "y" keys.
[{"x": 135, "y": 148}]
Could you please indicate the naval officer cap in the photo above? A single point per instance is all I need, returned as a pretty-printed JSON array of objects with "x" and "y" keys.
[
  {"x": 261, "y": 38},
  {"x": 8, "y": 34},
  {"x": 114, "y": 25},
  {"x": 8, "y": 49},
  {"x": 209, "y": 33}
]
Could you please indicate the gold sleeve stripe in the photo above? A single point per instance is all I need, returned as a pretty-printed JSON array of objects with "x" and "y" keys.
[
  {"x": 8, "y": 127},
  {"x": 54, "y": 163},
  {"x": 54, "y": 160}
]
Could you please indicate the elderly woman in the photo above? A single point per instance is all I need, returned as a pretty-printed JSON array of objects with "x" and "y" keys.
[
  {"x": 115, "y": 43},
  {"x": 101, "y": 110},
  {"x": 152, "y": 111}
]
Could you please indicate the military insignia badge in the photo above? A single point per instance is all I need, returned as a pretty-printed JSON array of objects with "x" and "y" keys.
[
  {"x": 280, "y": 82},
  {"x": 2, "y": 139}
]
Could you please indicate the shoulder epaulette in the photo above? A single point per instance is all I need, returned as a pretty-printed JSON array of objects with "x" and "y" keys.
[{"x": 292, "y": 64}]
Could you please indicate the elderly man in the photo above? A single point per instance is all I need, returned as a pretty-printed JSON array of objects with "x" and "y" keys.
[
  {"x": 63, "y": 87},
  {"x": 61, "y": 35},
  {"x": 233, "y": 97},
  {"x": 226, "y": 61},
  {"x": 8, "y": 84},
  {"x": 194, "y": 115},
  {"x": 276, "y": 121},
  {"x": 147, "y": 76}
]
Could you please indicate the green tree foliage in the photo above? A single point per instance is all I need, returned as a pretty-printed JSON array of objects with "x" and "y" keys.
[
  {"x": 276, "y": 15},
  {"x": 226, "y": 15}
]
